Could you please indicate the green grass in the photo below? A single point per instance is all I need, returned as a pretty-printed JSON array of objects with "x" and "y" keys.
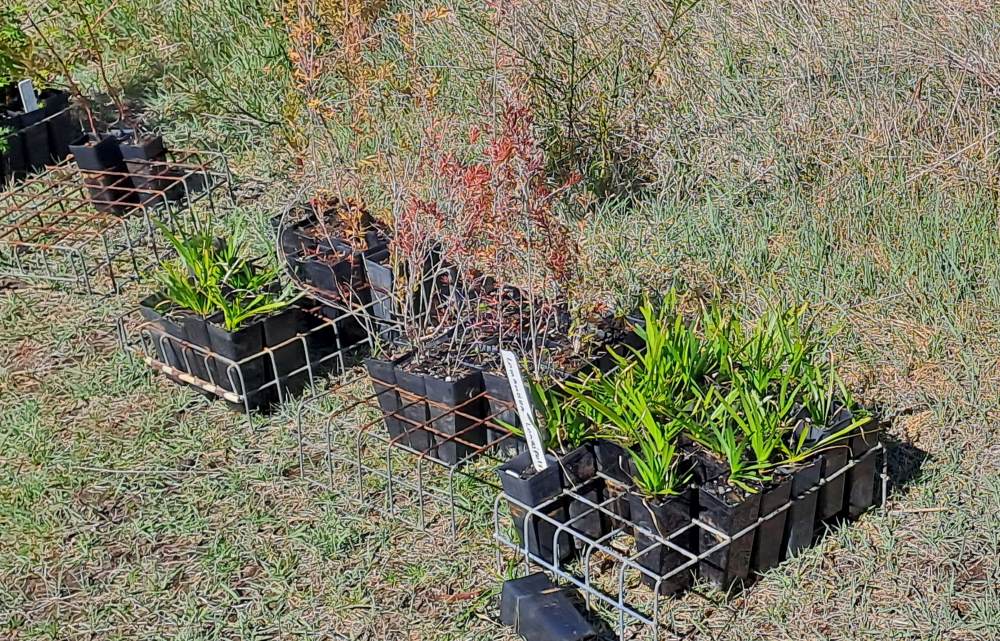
[
  {"x": 795, "y": 152},
  {"x": 136, "y": 511}
]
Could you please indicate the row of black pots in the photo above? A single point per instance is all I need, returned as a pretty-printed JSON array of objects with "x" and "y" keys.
[
  {"x": 814, "y": 495},
  {"x": 38, "y": 137},
  {"x": 429, "y": 414},
  {"x": 237, "y": 361},
  {"x": 122, "y": 169},
  {"x": 550, "y": 538},
  {"x": 443, "y": 418},
  {"x": 299, "y": 238},
  {"x": 324, "y": 264},
  {"x": 331, "y": 264}
]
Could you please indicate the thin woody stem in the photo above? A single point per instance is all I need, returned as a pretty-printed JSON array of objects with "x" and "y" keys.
[{"x": 73, "y": 86}]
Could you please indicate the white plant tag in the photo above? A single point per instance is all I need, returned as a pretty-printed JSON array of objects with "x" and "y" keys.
[
  {"x": 524, "y": 410},
  {"x": 28, "y": 98}
]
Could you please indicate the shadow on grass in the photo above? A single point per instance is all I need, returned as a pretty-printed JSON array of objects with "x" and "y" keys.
[
  {"x": 604, "y": 631},
  {"x": 905, "y": 463}
]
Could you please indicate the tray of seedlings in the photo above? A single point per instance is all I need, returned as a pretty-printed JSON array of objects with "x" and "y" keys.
[
  {"x": 711, "y": 452},
  {"x": 449, "y": 293},
  {"x": 442, "y": 390},
  {"x": 337, "y": 253},
  {"x": 36, "y": 135},
  {"x": 224, "y": 324}
]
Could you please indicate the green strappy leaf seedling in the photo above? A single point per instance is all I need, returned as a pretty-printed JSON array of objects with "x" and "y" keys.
[
  {"x": 174, "y": 279},
  {"x": 211, "y": 276},
  {"x": 657, "y": 461},
  {"x": 711, "y": 425},
  {"x": 820, "y": 389},
  {"x": 762, "y": 422}
]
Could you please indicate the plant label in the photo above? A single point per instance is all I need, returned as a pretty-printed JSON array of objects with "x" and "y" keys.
[
  {"x": 524, "y": 409},
  {"x": 28, "y": 99}
]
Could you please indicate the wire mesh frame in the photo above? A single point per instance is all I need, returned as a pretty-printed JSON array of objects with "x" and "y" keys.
[
  {"x": 624, "y": 600},
  {"x": 356, "y": 441},
  {"x": 224, "y": 378},
  {"x": 424, "y": 477},
  {"x": 59, "y": 229},
  {"x": 349, "y": 438}
]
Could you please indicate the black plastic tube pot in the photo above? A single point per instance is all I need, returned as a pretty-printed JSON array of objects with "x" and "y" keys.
[
  {"x": 607, "y": 361},
  {"x": 538, "y": 610},
  {"x": 243, "y": 378},
  {"x": 383, "y": 376},
  {"x": 145, "y": 160},
  {"x": 801, "y": 522},
  {"x": 13, "y": 160},
  {"x": 532, "y": 488},
  {"x": 414, "y": 410},
  {"x": 326, "y": 338},
  {"x": 35, "y": 138},
  {"x": 378, "y": 273},
  {"x": 283, "y": 335},
  {"x": 295, "y": 246},
  {"x": 349, "y": 330},
  {"x": 197, "y": 363},
  {"x": 664, "y": 517},
  {"x": 456, "y": 419},
  {"x": 500, "y": 402},
  {"x": 514, "y": 591},
  {"x": 728, "y": 513},
  {"x": 104, "y": 173},
  {"x": 860, "y": 486},
  {"x": 831, "y": 494},
  {"x": 329, "y": 271},
  {"x": 767, "y": 541},
  {"x": 381, "y": 280},
  {"x": 98, "y": 154},
  {"x": 579, "y": 469},
  {"x": 578, "y": 465},
  {"x": 63, "y": 128},
  {"x": 307, "y": 233},
  {"x": 294, "y": 243},
  {"x": 162, "y": 329},
  {"x": 705, "y": 467},
  {"x": 614, "y": 461}
]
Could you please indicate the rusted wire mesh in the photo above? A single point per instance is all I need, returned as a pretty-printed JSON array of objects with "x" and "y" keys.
[{"x": 93, "y": 232}]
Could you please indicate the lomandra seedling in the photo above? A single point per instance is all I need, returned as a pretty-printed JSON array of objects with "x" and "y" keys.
[
  {"x": 221, "y": 310},
  {"x": 662, "y": 504}
]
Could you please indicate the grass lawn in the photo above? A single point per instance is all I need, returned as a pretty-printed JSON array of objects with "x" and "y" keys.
[{"x": 135, "y": 510}]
